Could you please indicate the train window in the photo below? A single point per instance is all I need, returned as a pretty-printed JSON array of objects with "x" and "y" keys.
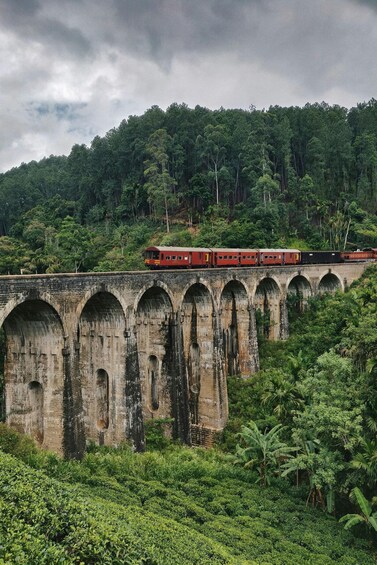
[
  {"x": 167, "y": 257},
  {"x": 151, "y": 254},
  {"x": 220, "y": 256},
  {"x": 225, "y": 256},
  {"x": 173, "y": 257},
  {"x": 179, "y": 258},
  {"x": 186, "y": 257}
]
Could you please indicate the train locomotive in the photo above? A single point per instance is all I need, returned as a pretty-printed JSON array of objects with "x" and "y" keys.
[{"x": 157, "y": 257}]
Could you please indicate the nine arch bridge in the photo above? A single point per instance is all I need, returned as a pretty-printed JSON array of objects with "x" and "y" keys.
[{"x": 93, "y": 356}]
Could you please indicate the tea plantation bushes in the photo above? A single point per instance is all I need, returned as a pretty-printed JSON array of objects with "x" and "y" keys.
[
  {"x": 179, "y": 507},
  {"x": 164, "y": 496},
  {"x": 45, "y": 522}
]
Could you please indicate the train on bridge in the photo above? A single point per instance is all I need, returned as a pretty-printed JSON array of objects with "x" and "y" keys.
[{"x": 156, "y": 257}]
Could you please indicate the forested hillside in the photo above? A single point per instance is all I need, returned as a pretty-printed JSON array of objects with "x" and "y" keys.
[{"x": 283, "y": 176}]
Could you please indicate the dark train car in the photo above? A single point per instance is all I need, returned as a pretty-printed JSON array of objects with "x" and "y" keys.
[
  {"x": 156, "y": 257},
  {"x": 279, "y": 256},
  {"x": 225, "y": 257},
  {"x": 364, "y": 255},
  {"x": 320, "y": 257}
]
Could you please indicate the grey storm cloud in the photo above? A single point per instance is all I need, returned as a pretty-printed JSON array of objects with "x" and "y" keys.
[
  {"x": 26, "y": 17},
  {"x": 71, "y": 69}
]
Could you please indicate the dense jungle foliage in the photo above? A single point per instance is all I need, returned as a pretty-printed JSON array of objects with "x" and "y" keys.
[
  {"x": 271, "y": 494},
  {"x": 302, "y": 177}
]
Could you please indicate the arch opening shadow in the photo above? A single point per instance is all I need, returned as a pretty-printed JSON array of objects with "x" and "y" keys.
[
  {"x": 102, "y": 353},
  {"x": 201, "y": 342},
  {"x": 155, "y": 351},
  {"x": 34, "y": 372},
  {"x": 236, "y": 330},
  {"x": 267, "y": 307},
  {"x": 299, "y": 291},
  {"x": 330, "y": 283}
]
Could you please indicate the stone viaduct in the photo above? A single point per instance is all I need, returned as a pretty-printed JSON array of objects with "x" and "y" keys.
[{"x": 91, "y": 357}]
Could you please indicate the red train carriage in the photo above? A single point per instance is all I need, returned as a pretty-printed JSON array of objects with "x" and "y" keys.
[
  {"x": 364, "y": 255},
  {"x": 279, "y": 256},
  {"x": 157, "y": 257},
  {"x": 249, "y": 257},
  {"x": 225, "y": 257}
]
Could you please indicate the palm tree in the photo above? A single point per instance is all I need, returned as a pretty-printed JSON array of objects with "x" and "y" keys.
[
  {"x": 282, "y": 396},
  {"x": 264, "y": 450}
]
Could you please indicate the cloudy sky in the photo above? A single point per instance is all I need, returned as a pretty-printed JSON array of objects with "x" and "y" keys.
[{"x": 73, "y": 69}]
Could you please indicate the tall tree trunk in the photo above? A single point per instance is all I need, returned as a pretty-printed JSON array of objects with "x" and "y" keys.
[
  {"x": 167, "y": 216},
  {"x": 217, "y": 183}
]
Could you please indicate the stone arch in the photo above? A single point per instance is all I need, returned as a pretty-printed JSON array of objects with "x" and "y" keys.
[
  {"x": 330, "y": 282},
  {"x": 267, "y": 299},
  {"x": 200, "y": 281},
  {"x": 155, "y": 344},
  {"x": 97, "y": 289},
  {"x": 34, "y": 372},
  {"x": 299, "y": 291},
  {"x": 236, "y": 329},
  {"x": 102, "y": 351},
  {"x": 146, "y": 288},
  {"x": 201, "y": 344},
  {"x": 44, "y": 297}
]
